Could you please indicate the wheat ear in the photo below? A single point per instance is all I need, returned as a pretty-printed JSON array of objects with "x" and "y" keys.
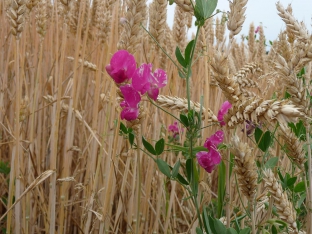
[
  {"x": 180, "y": 104},
  {"x": 245, "y": 168},
  {"x": 294, "y": 148},
  {"x": 236, "y": 16},
  {"x": 284, "y": 207}
]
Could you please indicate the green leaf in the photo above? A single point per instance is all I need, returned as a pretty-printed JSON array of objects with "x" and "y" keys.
[
  {"x": 160, "y": 146},
  {"x": 148, "y": 146},
  {"x": 299, "y": 130},
  {"x": 219, "y": 226},
  {"x": 188, "y": 51},
  {"x": 123, "y": 128},
  {"x": 180, "y": 58},
  {"x": 291, "y": 181},
  {"x": 188, "y": 165},
  {"x": 245, "y": 231},
  {"x": 182, "y": 75},
  {"x": 163, "y": 167},
  {"x": 273, "y": 229},
  {"x": 184, "y": 120},
  {"x": 221, "y": 188},
  {"x": 301, "y": 200},
  {"x": 199, "y": 231},
  {"x": 4, "y": 168},
  {"x": 211, "y": 224},
  {"x": 175, "y": 170},
  {"x": 263, "y": 140},
  {"x": 231, "y": 231},
  {"x": 206, "y": 221},
  {"x": 182, "y": 180},
  {"x": 300, "y": 187},
  {"x": 205, "y": 8},
  {"x": 131, "y": 138},
  {"x": 272, "y": 162}
]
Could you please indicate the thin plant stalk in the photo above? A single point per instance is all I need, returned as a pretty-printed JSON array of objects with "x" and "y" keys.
[{"x": 309, "y": 175}]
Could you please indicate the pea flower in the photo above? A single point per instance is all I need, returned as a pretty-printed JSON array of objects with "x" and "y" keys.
[
  {"x": 174, "y": 128},
  {"x": 224, "y": 109},
  {"x": 144, "y": 80},
  {"x": 209, "y": 160},
  {"x": 130, "y": 104},
  {"x": 257, "y": 29},
  {"x": 122, "y": 66}
]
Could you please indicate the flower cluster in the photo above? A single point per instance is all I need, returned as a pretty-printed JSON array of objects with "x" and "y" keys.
[
  {"x": 209, "y": 160},
  {"x": 175, "y": 130},
  {"x": 122, "y": 68}
]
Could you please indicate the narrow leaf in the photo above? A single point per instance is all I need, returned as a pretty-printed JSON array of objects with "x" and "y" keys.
[
  {"x": 188, "y": 51},
  {"x": 272, "y": 162},
  {"x": 123, "y": 128},
  {"x": 221, "y": 188},
  {"x": 148, "y": 146},
  {"x": 180, "y": 58},
  {"x": 160, "y": 146},
  {"x": 163, "y": 167},
  {"x": 184, "y": 120},
  {"x": 175, "y": 170},
  {"x": 131, "y": 138}
]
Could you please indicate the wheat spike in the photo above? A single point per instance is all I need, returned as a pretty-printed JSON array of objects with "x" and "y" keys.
[
  {"x": 179, "y": 27},
  {"x": 103, "y": 20},
  {"x": 294, "y": 148},
  {"x": 180, "y": 104},
  {"x": 236, "y": 16},
  {"x": 257, "y": 110},
  {"x": 136, "y": 14},
  {"x": 245, "y": 168},
  {"x": 241, "y": 76},
  {"x": 284, "y": 207},
  {"x": 41, "y": 18},
  {"x": 16, "y": 15},
  {"x": 186, "y": 5},
  {"x": 251, "y": 42},
  {"x": 88, "y": 65}
]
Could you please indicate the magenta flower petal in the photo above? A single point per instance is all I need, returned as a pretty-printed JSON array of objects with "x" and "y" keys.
[
  {"x": 209, "y": 160},
  {"x": 223, "y": 110},
  {"x": 141, "y": 78},
  {"x": 130, "y": 104},
  {"x": 131, "y": 96},
  {"x": 160, "y": 78},
  {"x": 144, "y": 80},
  {"x": 129, "y": 113},
  {"x": 214, "y": 139},
  {"x": 153, "y": 93},
  {"x": 122, "y": 66}
]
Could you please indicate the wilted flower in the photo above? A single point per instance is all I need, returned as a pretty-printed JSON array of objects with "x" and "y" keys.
[
  {"x": 122, "y": 66},
  {"x": 130, "y": 104},
  {"x": 223, "y": 110},
  {"x": 144, "y": 80},
  {"x": 209, "y": 160}
]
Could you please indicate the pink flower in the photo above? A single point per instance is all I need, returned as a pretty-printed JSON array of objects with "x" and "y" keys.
[
  {"x": 257, "y": 29},
  {"x": 215, "y": 139},
  {"x": 131, "y": 103},
  {"x": 224, "y": 109},
  {"x": 209, "y": 160},
  {"x": 122, "y": 66},
  {"x": 143, "y": 80},
  {"x": 174, "y": 128}
]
